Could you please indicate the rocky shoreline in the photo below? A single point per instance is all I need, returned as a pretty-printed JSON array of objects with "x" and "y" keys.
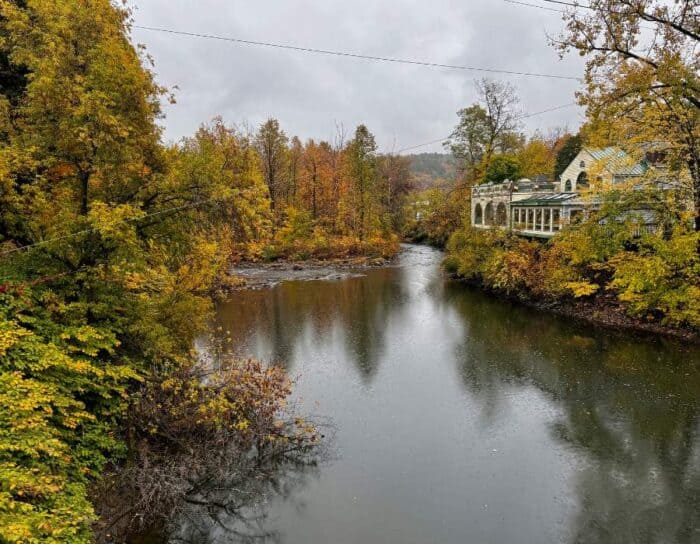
[{"x": 263, "y": 275}]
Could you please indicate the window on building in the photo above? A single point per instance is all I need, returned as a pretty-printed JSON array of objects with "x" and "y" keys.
[
  {"x": 478, "y": 215},
  {"x": 538, "y": 219},
  {"x": 582, "y": 180},
  {"x": 547, "y": 218},
  {"x": 567, "y": 186},
  {"x": 556, "y": 219},
  {"x": 488, "y": 213},
  {"x": 501, "y": 214}
]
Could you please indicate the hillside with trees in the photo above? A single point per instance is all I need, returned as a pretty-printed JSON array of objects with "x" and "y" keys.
[{"x": 432, "y": 169}]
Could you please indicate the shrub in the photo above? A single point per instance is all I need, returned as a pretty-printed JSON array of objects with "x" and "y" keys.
[{"x": 661, "y": 278}]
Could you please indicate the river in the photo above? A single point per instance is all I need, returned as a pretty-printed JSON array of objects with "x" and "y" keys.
[{"x": 461, "y": 418}]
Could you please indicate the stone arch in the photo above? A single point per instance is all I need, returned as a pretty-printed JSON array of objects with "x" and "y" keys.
[
  {"x": 567, "y": 186},
  {"x": 501, "y": 214},
  {"x": 488, "y": 214},
  {"x": 582, "y": 180},
  {"x": 478, "y": 214}
]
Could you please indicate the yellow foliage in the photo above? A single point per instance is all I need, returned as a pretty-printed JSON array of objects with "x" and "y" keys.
[{"x": 582, "y": 288}]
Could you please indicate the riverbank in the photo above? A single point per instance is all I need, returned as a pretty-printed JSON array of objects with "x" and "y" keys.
[
  {"x": 600, "y": 273},
  {"x": 603, "y": 311}
]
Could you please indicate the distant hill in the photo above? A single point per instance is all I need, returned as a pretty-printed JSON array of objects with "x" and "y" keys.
[{"x": 429, "y": 169}]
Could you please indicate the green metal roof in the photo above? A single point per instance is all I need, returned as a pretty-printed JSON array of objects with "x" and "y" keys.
[
  {"x": 545, "y": 199},
  {"x": 617, "y": 162}
]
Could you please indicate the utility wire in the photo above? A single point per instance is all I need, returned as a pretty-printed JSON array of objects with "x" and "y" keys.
[
  {"x": 535, "y": 6},
  {"x": 354, "y": 55},
  {"x": 576, "y": 5},
  {"x": 570, "y": 4},
  {"x": 526, "y": 116}
]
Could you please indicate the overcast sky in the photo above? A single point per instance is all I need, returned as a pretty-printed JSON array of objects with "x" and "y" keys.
[{"x": 311, "y": 93}]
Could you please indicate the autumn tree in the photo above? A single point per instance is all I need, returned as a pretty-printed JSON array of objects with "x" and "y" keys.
[
  {"x": 487, "y": 127},
  {"x": 85, "y": 128},
  {"x": 294, "y": 156},
  {"x": 362, "y": 161},
  {"x": 501, "y": 168},
  {"x": 314, "y": 183},
  {"x": 220, "y": 165},
  {"x": 395, "y": 181},
  {"x": 641, "y": 76},
  {"x": 567, "y": 153},
  {"x": 271, "y": 142},
  {"x": 538, "y": 155}
]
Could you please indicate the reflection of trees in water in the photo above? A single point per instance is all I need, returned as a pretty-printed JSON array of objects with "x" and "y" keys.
[
  {"x": 231, "y": 504},
  {"x": 278, "y": 318},
  {"x": 236, "y": 511},
  {"x": 631, "y": 406}
]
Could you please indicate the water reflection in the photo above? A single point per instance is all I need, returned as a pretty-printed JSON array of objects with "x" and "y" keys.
[
  {"x": 465, "y": 419},
  {"x": 630, "y": 405},
  {"x": 237, "y": 512},
  {"x": 274, "y": 322}
]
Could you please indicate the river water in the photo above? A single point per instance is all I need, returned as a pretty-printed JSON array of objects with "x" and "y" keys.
[{"x": 460, "y": 418}]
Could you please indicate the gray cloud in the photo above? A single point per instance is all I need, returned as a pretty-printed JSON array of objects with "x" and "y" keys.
[{"x": 310, "y": 93}]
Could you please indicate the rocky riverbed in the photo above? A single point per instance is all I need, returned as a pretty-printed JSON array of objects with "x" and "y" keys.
[{"x": 260, "y": 275}]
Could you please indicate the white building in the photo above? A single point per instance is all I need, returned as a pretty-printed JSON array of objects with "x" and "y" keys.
[{"x": 540, "y": 209}]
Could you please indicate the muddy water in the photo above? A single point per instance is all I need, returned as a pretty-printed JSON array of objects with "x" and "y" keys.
[{"x": 461, "y": 418}]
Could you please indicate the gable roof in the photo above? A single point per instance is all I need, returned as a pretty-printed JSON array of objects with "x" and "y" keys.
[{"x": 617, "y": 162}]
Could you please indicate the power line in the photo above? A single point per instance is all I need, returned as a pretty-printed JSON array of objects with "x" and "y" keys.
[
  {"x": 421, "y": 145},
  {"x": 354, "y": 55},
  {"x": 576, "y": 5},
  {"x": 526, "y": 116},
  {"x": 570, "y": 4},
  {"x": 555, "y": 108},
  {"x": 534, "y": 6}
]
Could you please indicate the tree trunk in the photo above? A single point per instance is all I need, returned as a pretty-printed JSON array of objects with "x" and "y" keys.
[{"x": 84, "y": 177}]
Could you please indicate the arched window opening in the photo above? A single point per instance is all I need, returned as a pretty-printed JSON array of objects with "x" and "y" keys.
[
  {"x": 478, "y": 215},
  {"x": 488, "y": 213},
  {"x": 582, "y": 180},
  {"x": 501, "y": 215},
  {"x": 567, "y": 186}
]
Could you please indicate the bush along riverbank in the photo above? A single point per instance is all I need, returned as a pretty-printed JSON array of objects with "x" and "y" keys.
[{"x": 605, "y": 273}]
